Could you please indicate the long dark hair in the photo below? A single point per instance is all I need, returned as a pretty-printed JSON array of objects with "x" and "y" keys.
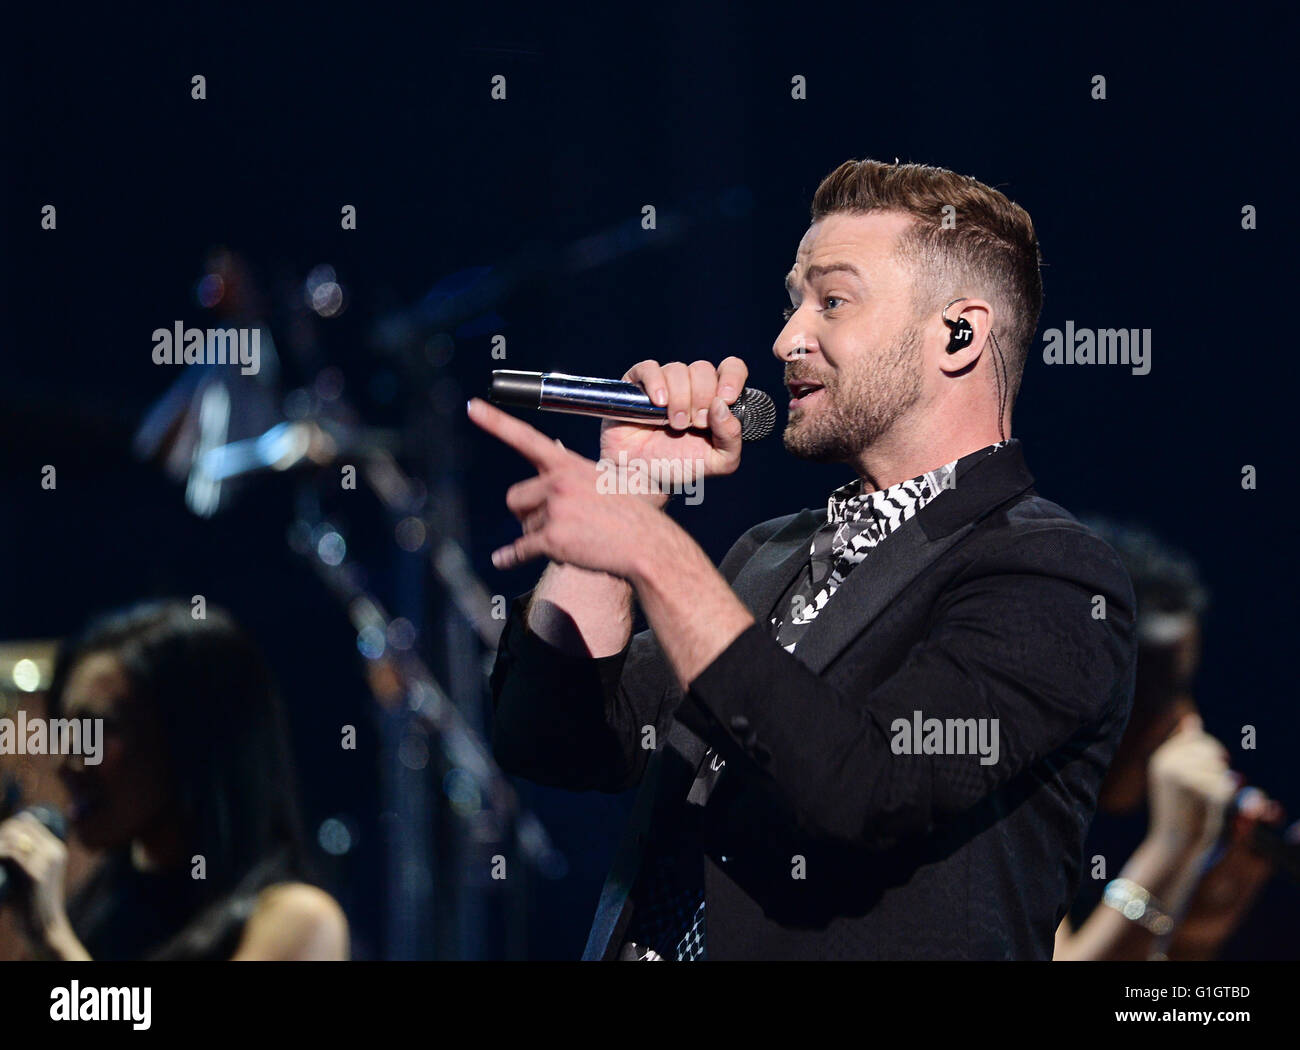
[
  {"x": 1166, "y": 581},
  {"x": 225, "y": 728}
]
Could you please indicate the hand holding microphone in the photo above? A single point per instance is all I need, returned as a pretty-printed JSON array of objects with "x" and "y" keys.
[
  {"x": 33, "y": 860},
  {"x": 664, "y": 413},
  {"x": 585, "y": 514},
  {"x": 700, "y": 427}
]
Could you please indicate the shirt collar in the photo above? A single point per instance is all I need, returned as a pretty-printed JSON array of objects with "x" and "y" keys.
[{"x": 849, "y": 502}]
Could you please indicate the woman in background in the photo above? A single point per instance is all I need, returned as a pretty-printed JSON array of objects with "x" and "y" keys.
[
  {"x": 1166, "y": 823},
  {"x": 192, "y": 801}
]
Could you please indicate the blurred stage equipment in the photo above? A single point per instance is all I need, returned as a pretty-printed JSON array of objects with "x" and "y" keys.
[
  {"x": 448, "y": 808},
  {"x": 216, "y": 429},
  {"x": 211, "y": 405}
]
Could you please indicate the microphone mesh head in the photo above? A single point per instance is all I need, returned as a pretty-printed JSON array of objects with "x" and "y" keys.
[{"x": 756, "y": 412}]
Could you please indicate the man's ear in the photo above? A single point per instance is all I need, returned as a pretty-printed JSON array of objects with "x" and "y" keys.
[{"x": 961, "y": 351}]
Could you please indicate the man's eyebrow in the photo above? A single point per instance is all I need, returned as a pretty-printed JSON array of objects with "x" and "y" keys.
[{"x": 813, "y": 272}]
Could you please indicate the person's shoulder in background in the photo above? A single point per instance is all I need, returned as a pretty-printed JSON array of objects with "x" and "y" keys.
[{"x": 294, "y": 921}]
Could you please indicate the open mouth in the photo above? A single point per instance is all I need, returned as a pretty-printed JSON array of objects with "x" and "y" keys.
[{"x": 802, "y": 391}]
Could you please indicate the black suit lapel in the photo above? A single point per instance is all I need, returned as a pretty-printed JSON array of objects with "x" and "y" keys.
[
  {"x": 869, "y": 589},
  {"x": 764, "y": 578},
  {"x": 909, "y": 551}
]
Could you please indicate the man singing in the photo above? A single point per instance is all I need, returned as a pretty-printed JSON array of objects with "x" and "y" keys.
[{"x": 878, "y": 728}]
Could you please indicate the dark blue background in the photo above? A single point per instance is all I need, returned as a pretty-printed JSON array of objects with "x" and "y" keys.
[{"x": 1137, "y": 201}]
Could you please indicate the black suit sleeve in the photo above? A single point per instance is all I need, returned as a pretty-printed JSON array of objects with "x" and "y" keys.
[
  {"x": 1014, "y": 638},
  {"x": 576, "y": 722}
]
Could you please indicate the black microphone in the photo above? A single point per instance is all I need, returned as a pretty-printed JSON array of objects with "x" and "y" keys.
[
  {"x": 612, "y": 399},
  {"x": 1280, "y": 845},
  {"x": 53, "y": 821}
]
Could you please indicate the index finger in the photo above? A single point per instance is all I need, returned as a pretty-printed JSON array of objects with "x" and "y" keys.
[{"x": 528, "y": 441}]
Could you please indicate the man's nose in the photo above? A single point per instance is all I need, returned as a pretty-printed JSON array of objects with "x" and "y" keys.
[{"x": 793, "y": 342}]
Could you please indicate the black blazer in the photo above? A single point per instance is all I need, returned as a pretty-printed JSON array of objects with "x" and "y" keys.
[{"x": 990, "y": 603}]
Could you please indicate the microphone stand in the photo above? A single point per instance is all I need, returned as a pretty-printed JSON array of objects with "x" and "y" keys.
[
  {"x": 413, "y": 701},
  {"x": 486, "y": 817}
]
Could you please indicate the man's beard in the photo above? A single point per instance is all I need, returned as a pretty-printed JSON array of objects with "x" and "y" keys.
[{"x": 858, "y": 406}]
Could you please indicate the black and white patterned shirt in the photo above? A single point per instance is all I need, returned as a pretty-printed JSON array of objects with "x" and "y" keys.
[
  {"x": 856, "y": 523},
  {"x": 669, "y": 919}
]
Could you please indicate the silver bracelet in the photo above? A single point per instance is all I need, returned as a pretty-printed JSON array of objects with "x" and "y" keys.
[{"x": 1137, "y": 904}]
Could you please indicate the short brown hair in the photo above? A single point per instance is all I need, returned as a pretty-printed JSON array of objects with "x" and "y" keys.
[{"x": 992, "y": 247}]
